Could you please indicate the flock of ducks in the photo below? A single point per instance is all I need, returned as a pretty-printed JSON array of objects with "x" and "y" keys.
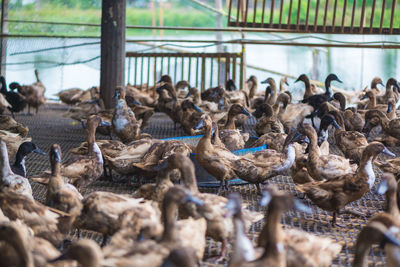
[{"x": 164, "y": 223}]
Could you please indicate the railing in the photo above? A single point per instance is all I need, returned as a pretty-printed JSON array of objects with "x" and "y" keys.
[
  {"x": 317, "y": 16},
  {"x": 203, "y": 70}
]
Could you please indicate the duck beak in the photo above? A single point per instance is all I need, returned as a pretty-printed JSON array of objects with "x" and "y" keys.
[
  {"x": 336, "y": 125},
  {"x": 298, "y": 79},
  {"x": 265, "y": 199},
  {"x": 104, "y": 123},
  {"x": 265, "y": 81},
  {"x": 160, "y": 167},
  {"x": 197, "y": 108},
  {"x": 221, "y": 104},
  {"x": 364, "y": 97},
  {"x": 116, "y": 94},
  {"x": 38, "y": 151},
  {"x": 382, "y": 84},
  {"x": 199, "y": 125},
  {"x": 388, "y": 152},
  {"x": 245, "y": 112},
  {"x": 300, "y": 206},
  {"x": 390, "y": 108},
  {"x": 397, "y": 85},
  {"x": 137, "y": 103},
  {"x": 59, "y": 258},
  {"x": 382, "y": 188},
  {"x": 389, "y": 238},
  {"x": 194, "y": 200},
  {"x": 287, "y": 83},
  {"x": 188, "y": 94},
  {"x": 297, "y": 136},
  {"x": 338, "y": 80}
]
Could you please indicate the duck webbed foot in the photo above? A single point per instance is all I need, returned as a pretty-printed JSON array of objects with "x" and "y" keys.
[
  {"x": 216, "y": 259},
  {"x": 349, "y": 210},
  {"x": 334, "y": 222}
]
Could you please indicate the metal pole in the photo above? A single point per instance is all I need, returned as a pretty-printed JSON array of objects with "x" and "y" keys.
[
  {"x": 112, "y": 49},
  {"x": 4, "y": 30},
  {"x": 220, "y": 47}
]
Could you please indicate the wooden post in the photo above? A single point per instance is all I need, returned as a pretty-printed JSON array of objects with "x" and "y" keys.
[
  {"x": 112, "y": 49},
  {"x": 3, "y": 42}
]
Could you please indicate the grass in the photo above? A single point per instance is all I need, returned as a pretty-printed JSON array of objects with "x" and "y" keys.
[{"x": 173, "y": 17}]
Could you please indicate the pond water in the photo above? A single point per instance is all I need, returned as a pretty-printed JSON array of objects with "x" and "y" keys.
[{"x": 355, "y": 67}]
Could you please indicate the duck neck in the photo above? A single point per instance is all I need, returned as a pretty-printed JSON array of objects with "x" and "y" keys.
[
  {"x": 361, "y": 256},
  {"x": 328, "y": 88},
  {"x": 290, "y": 158},
  {"x": 93, "y": 148},
  {"x": 20, "y": 162},
  {"x": 308, "y": 92},
  {"x": 392, "y": 207},
  {"x": 197, "y": 98},
  {"x": 366, "y": 170},
  {"x": 274, "y": 247},
  {"x": 243, "y": 249},
  {"x": 3, "y": 85},
  {"x": 169, "y": 210},
  {"x": 372, "y": 102},
  {"x": 230, "y": 122},
  {"x": 276, "y": 107},
  {"x": 55, "y": 169},
  {"x": 253, "y": 89},
  {"x": 4, "y": 162},
  {"x": 189, "y": 177}
]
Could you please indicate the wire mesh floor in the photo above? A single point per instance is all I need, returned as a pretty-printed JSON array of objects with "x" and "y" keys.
[{"x": 49, "y": 126}]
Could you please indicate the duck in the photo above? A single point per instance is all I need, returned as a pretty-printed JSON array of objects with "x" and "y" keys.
[
  {"x": 269, "y": 97},
  {"x": 9, "y": 181},
  {"x": 232, "y": 138},
  {"x": 269, "y": 122},
  {"x": 390, "y": 127},
  {"x": 316, "y": 100},
  {"x": 216, "y": 160},
  {"x": 291, "y": 115},
  {"x": 44, "y": 221},
  {"x": 81, "y": 170},
  {"x": 389, "y": 93},
  {"x": 61, "y": 195},
  {"x": 190, "y": 114},
  {"x": 7, "y": 123},
  {"x": 4, "y": 105},
  {"x": 252, "y": 86},
  {"x": 353, "y": 120},
  {"x": 102, "y": 212},
  {"x": 219, "y": 227},
  {"x": 303, "y": 249},
  {"x": 34, "y": 93},
  {"x": 21, "y": 248},
  {"x": 323, "y": 167},
  {"x": 15, "y": 99},
  {"x": 256, "y": 168},
  {"x": 308, "y": 91},
  {"x": 23, "y": 151},
  {"x": 376, "y": 232},
  {"x": 372, "y": 104},
  {"x": 70, "y": 96},
  {"x": 351, "y": 143},
  {"x": 13, "y": 141},
  {"x": 176, "y": 233},
  {"x": 142, "y": 97},
  {"x": 124, "y": 122},
  {"x": 202, "y": 104},
  {"x": 336, "y": 193},
  {"x": 389, "y": 187}
]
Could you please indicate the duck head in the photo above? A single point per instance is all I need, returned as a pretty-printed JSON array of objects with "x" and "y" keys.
[
  {"x": 169, "y": 88},
  {"x": 331, "y": 77},
  {"x": 374, "y": 149},
  {"x": 341, "y": 99},
  {"x": 165, "y": 79},
  {"x": 284, "y": 81},
  {"x": 374, "y": 232},
  {"x": 264, "y": 109},
  {"x": 26, "y": 148},
  {"x": 326, "y": 121},
  {"x": 230, "y": 85},
  {"x": 392, "y": 82},
  {"x": 370, "y": 94},
  {"x": 3, "y": 84},
  {"x": 182, "y": 85},
  {"x": 281, "y": 200},
  {"x": 187, "y": 104},
  {"x": 388, "y": 184},
  {"x": 237, "y": 109},
  {"x": 206, "y": 122},
  {"x": 373, "y": 118},
  {"x": 234, "y": 205},
  {"x": 251, "y": 81},
  {"x": 304, "y": 78},
  {"x": 14, "y": 85},
  {"x": 55, "y": 154},
  {"x": 85, "y": 251},
  {"x": 269, "y": 81},
  {"x": 119, "y": 93},
  {"x": 192, "y": 91},
  {"x": 375, "y": 81}
]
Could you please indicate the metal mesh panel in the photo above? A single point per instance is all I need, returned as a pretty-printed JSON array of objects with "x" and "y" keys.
[{"x": 50, "y": 127}]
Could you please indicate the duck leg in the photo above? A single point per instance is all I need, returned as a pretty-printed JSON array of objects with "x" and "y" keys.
[
  {"x": 83, "y": 125},
  {"x": 222, "y": 255},
  {"x": 221, "y": 185},
  {"x": 259, "y": 191},
  {"x": 226, "y": 186},
  {"x": 334, "y": 223},
  {"x": 78, "y": 233}
]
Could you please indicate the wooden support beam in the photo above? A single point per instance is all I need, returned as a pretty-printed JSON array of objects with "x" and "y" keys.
[
  {"x": 112, "y": 49},
  {"x": 3, "y": 42}
]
